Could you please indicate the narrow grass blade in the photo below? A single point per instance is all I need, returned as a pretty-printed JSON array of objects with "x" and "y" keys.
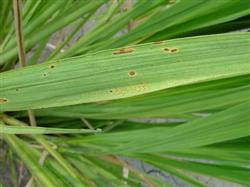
[
  {"x": 42, "y": 130},
  {"x": 227, "y": 125}
]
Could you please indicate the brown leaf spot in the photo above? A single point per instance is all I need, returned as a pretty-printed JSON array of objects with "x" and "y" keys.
[
  {"x": 132, "y": 73},
  {"x": 171, "y": 50},
  {"x": 51, "y": 66},
  {"x": 3, "y": 100},
  {"x": 123, "y": 51}
]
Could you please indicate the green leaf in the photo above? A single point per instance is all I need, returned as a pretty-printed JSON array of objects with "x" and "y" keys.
[
  {"x": 169, "y": 169},
  {"x": 202, "y": 15},
  {"x": 183, "y": 16},
  {"x": 230, "y": 124},
  {"x": 233, "y": 174},
  {"x": 121, "y": 73},
  {"x": 42, "y": 130},
  {"x": 60, "y": 20},
  {"x": 173, "y": 102},
  {"x": 31, "y": 160}
]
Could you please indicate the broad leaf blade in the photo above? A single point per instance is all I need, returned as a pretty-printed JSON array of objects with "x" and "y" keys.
[
  {"x": 205, "y": 96},
  {"x": 126, "y": 72}
]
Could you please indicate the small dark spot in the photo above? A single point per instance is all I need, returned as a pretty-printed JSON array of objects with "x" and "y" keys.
[
  {"x": 17, "y": 89},
  {"x": 123, "y": 51},
  {"x": 51, "y": 66},
  {"x": 3, "y": 100},
  {"x": 174, "y": 50},
  {"x": 45, "y": 74},
  {"x": 158, "y": 42},
  {"x": 171, "y": 50},
  {"x": 111, "y": 91},
  {"x": 132, "y": 73}
]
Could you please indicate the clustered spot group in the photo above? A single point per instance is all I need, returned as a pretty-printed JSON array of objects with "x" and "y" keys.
[
  {"x": 130, "y": 50},
  {"x": 171, "y": 50}
]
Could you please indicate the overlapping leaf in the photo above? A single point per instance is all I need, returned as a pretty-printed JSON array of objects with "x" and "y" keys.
[{"x": 230, "y": 124}]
